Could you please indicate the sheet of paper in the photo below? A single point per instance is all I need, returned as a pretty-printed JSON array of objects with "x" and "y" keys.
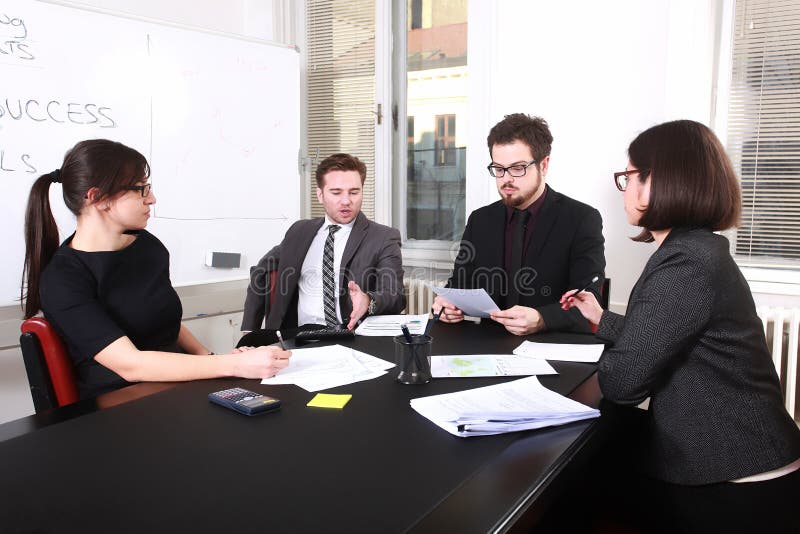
[
  {"x": 473, "y": 302},
  {"x": 329, "y": 400},
  {"x": 389, "y": 325},
  {"x": 561, "y": 351},
  {"x": 518, "y": 405},
  {"x": 320, "y": 368},
  {"x": 488, "y": 365}
]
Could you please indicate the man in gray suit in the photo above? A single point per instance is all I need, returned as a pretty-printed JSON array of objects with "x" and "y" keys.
[{"x": 360, "y": 259}]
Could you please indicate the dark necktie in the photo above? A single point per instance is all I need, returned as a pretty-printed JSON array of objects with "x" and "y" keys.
[
  {"x": 328, "y": 282},
  {"x": 519, "y": 221}
]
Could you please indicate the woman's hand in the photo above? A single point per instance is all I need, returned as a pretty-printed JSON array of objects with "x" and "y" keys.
[
  {"x": 260, "y": 362},
  {"x": 586, "y": 303}
]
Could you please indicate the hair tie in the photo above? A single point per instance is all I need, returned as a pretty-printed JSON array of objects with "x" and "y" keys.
[{"x": 55, "y": 176}]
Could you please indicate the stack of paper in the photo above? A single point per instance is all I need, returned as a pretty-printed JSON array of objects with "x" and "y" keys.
[
  {"x": 328, "y": 367},
  {"x": 488, "y": 365},
  {"x": 389, "y": 325},
  {"x": 564, "y": 352},
  {"x": 519, "y": 405}
]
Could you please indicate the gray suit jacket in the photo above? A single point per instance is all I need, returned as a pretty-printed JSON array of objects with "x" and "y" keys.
[
  {"x": 692, "y": 342},
  {"x": 371, "y": 258}
]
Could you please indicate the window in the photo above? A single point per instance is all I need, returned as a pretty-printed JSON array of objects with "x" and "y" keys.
[
  {"x": 445, "y": 145},
  {"x": 436, "y": 103},
  {"x": 764, "y": 130},
  {"x": 340, "y": 100}
]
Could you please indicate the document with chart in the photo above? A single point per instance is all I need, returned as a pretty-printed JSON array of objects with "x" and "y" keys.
[
  {"x": 510, "y": 407},
  {"x": 478, "y": 365}
]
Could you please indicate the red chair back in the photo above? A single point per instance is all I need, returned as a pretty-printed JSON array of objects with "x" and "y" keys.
[
  {"x": 605, "y": 294},
  {"x": 50, "y": 370}
]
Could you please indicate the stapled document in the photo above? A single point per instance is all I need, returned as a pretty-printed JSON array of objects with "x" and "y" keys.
[{"x": 519, "y": 405}]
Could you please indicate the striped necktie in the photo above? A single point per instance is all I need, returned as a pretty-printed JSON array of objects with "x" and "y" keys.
[{"x": 328, "y": 281}]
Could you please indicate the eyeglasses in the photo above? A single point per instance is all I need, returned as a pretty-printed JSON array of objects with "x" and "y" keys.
[
  {"x": 517, "y": 170},
  {"x": 143, "y": 189},
  {"x": 621, "y": 178}
]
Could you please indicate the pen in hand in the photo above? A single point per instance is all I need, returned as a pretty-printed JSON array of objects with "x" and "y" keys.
[
  {"x": 587, "y": 286},
  {"x": 280, "y": 339}
]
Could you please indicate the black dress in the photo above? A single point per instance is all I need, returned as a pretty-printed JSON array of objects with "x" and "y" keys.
[{"x": 94, "y": 298}]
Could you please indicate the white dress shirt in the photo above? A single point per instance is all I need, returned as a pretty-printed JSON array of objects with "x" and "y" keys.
[{"x": 310, "y": 309}]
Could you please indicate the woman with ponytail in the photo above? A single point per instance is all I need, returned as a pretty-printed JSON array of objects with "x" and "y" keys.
[{"x": 106, "y": 288}]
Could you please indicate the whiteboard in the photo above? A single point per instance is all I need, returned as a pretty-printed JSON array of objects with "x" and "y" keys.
[{"x": 217, "y": 117}]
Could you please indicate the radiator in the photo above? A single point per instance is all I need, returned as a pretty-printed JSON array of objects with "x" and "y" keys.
[
  {"x": 781, "y": 326},
  {"x": 420, "y": 297}
]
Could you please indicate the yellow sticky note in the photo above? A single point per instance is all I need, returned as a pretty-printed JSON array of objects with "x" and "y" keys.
[{"x": 327, "y": 400}]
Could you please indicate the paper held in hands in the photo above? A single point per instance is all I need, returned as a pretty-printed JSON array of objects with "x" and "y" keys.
[
  {"x": 519, "y": 405},
  {"x": 473, "y": 302},
  {"x": 561, "y": 351}
]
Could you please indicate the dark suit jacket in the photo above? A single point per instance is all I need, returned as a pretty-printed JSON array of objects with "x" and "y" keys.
[
  {"x": 564, "y": 251},
  {"x": 692, "y": 342},
  {"x": 371, "y": 258}
]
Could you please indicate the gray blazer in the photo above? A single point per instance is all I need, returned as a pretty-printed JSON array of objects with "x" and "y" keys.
[
  {"x": 371, "y": 257},
  {"x": 692, "y": 342}
]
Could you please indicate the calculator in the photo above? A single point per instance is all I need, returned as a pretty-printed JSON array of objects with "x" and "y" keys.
[{"x": 244, "y": 401}]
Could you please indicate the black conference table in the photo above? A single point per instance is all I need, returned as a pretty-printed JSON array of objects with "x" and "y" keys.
[{"x": 153, "y": 457}]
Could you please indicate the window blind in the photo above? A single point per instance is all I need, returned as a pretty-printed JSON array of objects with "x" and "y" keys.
[
  {"x": 764, "y": 129},
  {"x": 341, "y": 87}
]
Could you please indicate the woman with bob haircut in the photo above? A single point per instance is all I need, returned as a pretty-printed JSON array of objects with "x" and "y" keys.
[
  {"x": 717, "y": 448},
  {"x": 106, "y": 290}
]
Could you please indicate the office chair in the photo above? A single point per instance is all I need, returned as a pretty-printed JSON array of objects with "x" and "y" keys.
[
  {"x": 50, "y": 371},
  {"x": 605, "y": 292}
]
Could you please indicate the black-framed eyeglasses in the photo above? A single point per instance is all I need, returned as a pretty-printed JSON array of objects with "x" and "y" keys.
[
  {"x": 621, "y": 178},
  {"x": 517, "y": 170},
  {"x": 143, "y": 189}
]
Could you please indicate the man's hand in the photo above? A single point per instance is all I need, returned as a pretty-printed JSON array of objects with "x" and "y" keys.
[
  {"x": 519, "y": 320},
  {"x": 360, "y": 302},
  {"x": 448, "y": 313}
]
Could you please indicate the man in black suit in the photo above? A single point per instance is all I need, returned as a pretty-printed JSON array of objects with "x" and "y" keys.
[
  {"x": 529, "y": 247},
  {"x": 363, "y": 261}
]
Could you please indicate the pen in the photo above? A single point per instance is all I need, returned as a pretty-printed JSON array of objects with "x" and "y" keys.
[
  {"x": 595, "y": 279},
  {"x": 410, "y": 341},
  {"x": 280, "y": 338},
  {"x": 430, "y": 323}
]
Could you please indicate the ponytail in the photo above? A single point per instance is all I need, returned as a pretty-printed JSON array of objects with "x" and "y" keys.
[
  {"x": 108, "y": 166},
  {"x": 41, "y": 241}
]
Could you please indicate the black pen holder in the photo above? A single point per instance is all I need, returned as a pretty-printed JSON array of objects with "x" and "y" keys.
[{"x": 413, "y": 359}]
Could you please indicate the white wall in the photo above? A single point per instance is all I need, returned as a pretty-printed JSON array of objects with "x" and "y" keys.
[
  {"x": 221, "y": 302},
  {"x": 599, "y": 73},
  {"x": 252, "y": 18}
]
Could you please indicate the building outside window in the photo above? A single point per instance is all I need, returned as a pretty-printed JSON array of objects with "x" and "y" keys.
[{"x": 436, "y": 117}]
